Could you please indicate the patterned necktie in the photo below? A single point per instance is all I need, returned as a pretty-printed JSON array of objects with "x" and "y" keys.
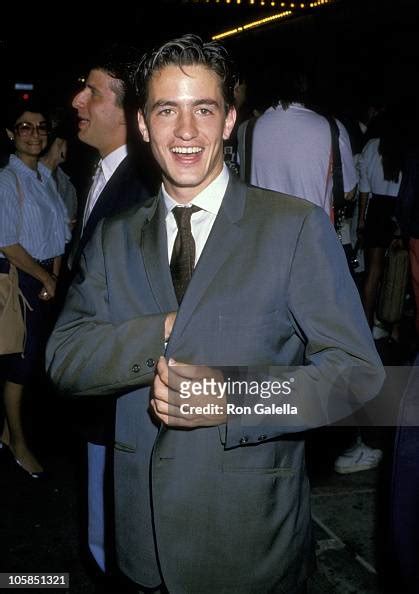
[{"x": 182, "y": 261}]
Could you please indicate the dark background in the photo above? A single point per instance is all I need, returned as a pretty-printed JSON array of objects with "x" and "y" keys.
[{"x": 357, "y": 49}]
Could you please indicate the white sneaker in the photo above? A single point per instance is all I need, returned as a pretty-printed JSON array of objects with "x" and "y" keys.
[{"x": 359, "y": 457}]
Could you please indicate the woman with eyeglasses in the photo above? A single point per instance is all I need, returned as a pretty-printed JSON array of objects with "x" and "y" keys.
[{"x": 33, "y": 233}]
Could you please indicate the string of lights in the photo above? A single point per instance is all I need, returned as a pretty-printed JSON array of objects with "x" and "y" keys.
[
  {"x": 294, "y": 8},
  {"x": 257, "y": 23},
  {"x": 266, "y": 3}
]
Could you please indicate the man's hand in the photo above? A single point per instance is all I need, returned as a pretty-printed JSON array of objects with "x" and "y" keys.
[{"x": 188, "y": 396}]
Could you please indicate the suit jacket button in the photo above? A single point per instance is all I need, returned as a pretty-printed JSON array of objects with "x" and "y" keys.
[
  {"x": 262, "y": 437},
  {"x": 244, "y": 440},
  {"x": 150, "y": 362},
  {"x": 135, "y": 368}
]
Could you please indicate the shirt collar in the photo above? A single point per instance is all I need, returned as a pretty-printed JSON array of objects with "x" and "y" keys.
[
  {"x": 209, "y": 199},
  {"x": 113, "y": 160},
  {"x": 20, "y": 166}
]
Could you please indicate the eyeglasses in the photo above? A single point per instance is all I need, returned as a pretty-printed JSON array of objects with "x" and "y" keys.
[{"x": 27, "y": 129}]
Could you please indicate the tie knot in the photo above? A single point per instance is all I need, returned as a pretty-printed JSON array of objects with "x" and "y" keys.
[{"x": 183, "y": 215}]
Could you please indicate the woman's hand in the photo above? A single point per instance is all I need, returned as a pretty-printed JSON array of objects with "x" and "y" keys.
[{"x": 48, "y": 290}]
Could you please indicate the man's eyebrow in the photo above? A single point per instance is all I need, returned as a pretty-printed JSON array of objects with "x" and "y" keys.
[
  {"x": 91, "y": 87},
  {"x": 163, "y": 103},
  {"x": 206, "y": 101},
  {"x": 168, "y": 103}
]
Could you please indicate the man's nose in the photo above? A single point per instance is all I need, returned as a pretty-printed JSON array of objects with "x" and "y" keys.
[
  {"x": 186, "y": 127},
  {"x": 78, "y": 100}
]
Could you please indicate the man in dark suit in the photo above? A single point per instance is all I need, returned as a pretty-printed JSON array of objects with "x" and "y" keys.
[
  {"x": 106, "y": 111},
  {"x": 208, "y": 498}
]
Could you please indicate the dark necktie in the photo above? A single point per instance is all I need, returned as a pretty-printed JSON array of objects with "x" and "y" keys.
[{"x": 182, "y": 261}]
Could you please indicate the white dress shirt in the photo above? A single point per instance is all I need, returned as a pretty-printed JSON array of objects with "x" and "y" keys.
[
  {"x": 105, "y": 169},
  {"x": 209, "y": 200}
]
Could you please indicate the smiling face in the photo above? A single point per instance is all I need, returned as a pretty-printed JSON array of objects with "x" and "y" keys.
[
  {"x": 185, "y": 122},
  {"x": 101, "y": 119},
  {"x": 30, "y": 136}
]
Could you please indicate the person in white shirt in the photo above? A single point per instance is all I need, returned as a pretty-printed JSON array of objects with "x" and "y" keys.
[
  {"x": 292, "y": 145},
  {"x": 380, "y": 167}
]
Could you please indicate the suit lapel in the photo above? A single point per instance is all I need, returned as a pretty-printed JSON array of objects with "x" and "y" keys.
[
  {"x": 154, "y": 248},
  {"x": 222, "y": 242},
  {"x": 106, "y": 200}
]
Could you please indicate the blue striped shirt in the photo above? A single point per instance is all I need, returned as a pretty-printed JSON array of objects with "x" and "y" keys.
[{"x": 40, "y": 224}]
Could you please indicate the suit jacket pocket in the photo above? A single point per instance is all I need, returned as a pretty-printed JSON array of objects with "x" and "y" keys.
[
  {"x": 124, "y": 447},
  {"x": 285, "y": 472},
  {"x": 275, "y": 457}
]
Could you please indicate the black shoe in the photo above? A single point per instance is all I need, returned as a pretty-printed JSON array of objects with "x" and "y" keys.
[{"x": 41, "y": 475}]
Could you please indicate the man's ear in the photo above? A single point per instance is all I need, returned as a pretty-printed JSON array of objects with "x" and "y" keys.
[
  {"x": 229, "y": 122},
  {"x": 143, "y": 127}
]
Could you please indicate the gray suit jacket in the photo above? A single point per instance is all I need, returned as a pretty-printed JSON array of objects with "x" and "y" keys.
[{"x": 224, "y": 509}]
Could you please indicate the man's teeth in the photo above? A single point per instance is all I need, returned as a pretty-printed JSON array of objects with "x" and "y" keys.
[{"x": 186, "y": 150}]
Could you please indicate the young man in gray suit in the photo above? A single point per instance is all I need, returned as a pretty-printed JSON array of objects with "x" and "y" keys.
[{"x": 208, "y": 501}]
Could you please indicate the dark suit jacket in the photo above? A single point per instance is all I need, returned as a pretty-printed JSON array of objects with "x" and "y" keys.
[
  {"x": 225, "y": 507},
  {"x": 126, "y": 187}
]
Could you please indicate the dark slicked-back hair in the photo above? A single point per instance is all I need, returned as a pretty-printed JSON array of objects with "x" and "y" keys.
[
  {"x": 188, "y": 50},
  {"x": 120, "y": 62}
]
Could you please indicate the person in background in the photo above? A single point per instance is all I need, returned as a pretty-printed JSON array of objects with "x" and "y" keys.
[
  {"x": 106, "y": 110},
  {"x": 33, "y": 234},
  {"x": 257, "y": 101},
  {"x": 407, "y": 215},
  {"x": 292, "y": 144},
  {"x": 53, "y": 157},
  {"x": 292, "y": 153},
  {"x": 243, "y": 112},
  {"x": 404, "y": 508},
  {"x": 380, "y": 167}
]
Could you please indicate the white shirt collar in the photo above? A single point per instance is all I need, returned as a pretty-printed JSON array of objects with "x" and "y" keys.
[
  {"x": 209, "y": 199},
  {"x": 113, "y": 160}
]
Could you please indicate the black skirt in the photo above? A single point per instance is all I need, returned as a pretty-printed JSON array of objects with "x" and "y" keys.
[
  {"x": 22, "y": 368},
  {"x": 379, "y": 226}
]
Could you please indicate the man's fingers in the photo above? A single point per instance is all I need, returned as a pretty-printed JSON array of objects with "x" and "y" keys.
[
  {"x": 184, "y": 371},
  {"x": 162, "y": 371},
  {"x": 160, "y": 389},
  {"x": 172, "y": 372},
  {"x": 163, "y": 392},
  {"x": 169, "y": 414}
]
